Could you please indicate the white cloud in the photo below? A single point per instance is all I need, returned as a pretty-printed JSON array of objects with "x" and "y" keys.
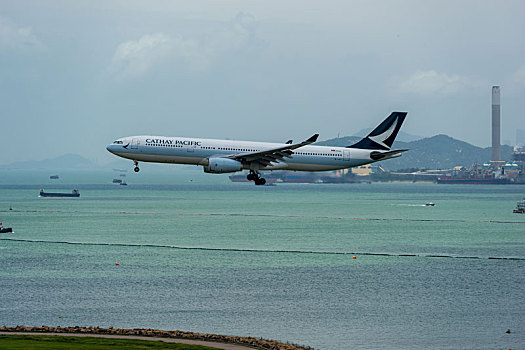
[
  {"x": 13, "y": 37},
  {"x": 135, "y": 58},
  {"x": 431, "y": 82}
]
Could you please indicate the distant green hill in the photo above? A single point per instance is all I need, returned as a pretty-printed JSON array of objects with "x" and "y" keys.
[
  {"x": 436, "y": 152},
  {"x": 66, "y": 161}
]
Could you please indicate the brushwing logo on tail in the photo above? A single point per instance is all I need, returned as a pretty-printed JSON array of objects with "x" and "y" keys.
[{"x": 381, "y": 138}]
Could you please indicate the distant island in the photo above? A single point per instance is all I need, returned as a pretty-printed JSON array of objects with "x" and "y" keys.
[{"x": 64, "y": 162}]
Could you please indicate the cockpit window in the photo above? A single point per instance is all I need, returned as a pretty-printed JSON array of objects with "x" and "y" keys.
[{"x": 118, "y": 142}]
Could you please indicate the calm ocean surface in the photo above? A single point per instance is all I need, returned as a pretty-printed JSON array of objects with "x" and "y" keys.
[{"x": 198, "y": 253}]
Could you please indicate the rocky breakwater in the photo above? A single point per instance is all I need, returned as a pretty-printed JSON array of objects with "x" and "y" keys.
[{"x": 257, "y": 343}]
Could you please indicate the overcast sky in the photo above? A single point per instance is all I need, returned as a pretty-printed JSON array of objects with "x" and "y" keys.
[{"x": 75, "y": 75}]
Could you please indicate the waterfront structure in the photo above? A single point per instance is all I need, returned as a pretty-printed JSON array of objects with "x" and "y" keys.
[{"x": 496, "y": 120}]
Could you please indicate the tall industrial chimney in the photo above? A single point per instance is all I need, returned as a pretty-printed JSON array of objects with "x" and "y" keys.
[{"x": 495, "y": 124}]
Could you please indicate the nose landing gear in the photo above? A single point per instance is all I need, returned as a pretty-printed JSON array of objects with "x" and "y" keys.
[
  {"x": 256, "y": 177},
  {"x": 137, "y": 169}
]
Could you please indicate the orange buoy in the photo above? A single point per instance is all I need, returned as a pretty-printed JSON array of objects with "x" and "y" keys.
[
  {"x": 354, "y": 257},
  {"x": 117, "y": 263}
]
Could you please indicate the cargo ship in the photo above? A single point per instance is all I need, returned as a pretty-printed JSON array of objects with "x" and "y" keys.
[
  {"x": 473, "y": 180},
  {"x": 73, "y": 193},
  {"x": 491, "y": 173}
]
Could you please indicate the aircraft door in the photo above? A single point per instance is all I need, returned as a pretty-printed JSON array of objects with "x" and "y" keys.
[
  {"x": 346, "y": 155},
  {"x": 135, "y": 143}
]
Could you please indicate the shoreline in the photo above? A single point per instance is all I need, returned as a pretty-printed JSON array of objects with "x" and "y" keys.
[{"x": 212, "y": 340}]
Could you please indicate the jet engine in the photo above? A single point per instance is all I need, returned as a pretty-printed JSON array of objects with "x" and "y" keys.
[{"x": 222, "y": 165}]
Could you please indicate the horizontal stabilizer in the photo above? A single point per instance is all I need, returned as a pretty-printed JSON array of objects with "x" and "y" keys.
[{"x": 377, "y": 155}]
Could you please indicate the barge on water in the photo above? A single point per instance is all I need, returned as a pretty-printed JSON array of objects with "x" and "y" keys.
[
  {"x": 520, "y": 207},
  {"x": 73, "y": 193},
  {"x": 5, "y": 229}
]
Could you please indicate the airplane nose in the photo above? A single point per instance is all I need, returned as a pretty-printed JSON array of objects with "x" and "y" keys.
[{"x": 109, "y": 148}]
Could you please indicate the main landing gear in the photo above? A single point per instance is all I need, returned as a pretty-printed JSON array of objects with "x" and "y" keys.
[
  {"x": 136, "y": 166},
  {"x": 256, "y": 177}
]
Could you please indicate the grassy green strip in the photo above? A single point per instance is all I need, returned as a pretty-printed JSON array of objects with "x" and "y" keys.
[{"x": 26, "y": 342}]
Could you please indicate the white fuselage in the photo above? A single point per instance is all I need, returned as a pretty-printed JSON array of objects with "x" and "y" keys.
[{"x": 185, "y": 150}]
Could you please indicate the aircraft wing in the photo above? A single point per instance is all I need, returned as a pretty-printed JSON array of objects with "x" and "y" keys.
[
  {"x": 272, "y": 155},
  {"x": 377, "y": 155}
]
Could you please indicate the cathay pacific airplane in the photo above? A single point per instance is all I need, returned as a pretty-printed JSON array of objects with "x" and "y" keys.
[{"x": 227, "y": 156}]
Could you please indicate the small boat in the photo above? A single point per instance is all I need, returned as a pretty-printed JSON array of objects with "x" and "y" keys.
[
  {"x": 5, "y": 229},
  {"x": 520, "y": 207},
  {"x": 117, "y": 181},
  {"x": 429, "y": 204},
  {"x": 123, "y": 183},
  {"x": 73, "y": 193},
  {"x": 54, "y": 177}
]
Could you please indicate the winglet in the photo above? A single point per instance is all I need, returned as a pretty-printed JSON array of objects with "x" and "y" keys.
[{"x": 312, "y": 139}]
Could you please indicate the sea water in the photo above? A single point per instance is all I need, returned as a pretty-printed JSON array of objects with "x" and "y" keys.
[{"x": 198, "y": 253}]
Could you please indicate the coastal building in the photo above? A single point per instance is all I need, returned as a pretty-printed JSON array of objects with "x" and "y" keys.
[
  {"x": 362, "y": 170},
  {"x": 519, "y": 158}
]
